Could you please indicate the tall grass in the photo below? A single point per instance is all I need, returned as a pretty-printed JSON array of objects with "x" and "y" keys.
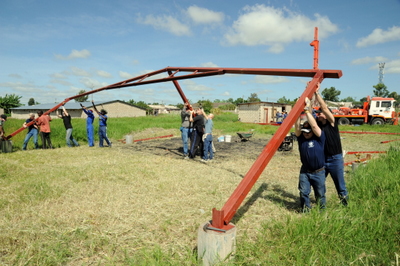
[{"x": 367, "y": 232}]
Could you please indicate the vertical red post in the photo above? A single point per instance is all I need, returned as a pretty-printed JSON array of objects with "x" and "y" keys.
[{"x": 315, "y": 43}]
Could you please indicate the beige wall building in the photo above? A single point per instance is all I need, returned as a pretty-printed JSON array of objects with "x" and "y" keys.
[
  {"x": 114, "y": 108},
  {"x": 261, "y": 112}
]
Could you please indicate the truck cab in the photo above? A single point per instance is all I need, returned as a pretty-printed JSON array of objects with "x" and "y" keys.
[{"x": 380, "y": 110}]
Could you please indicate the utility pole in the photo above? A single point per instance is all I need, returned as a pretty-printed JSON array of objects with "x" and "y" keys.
[{"x": 381, "y": 72}]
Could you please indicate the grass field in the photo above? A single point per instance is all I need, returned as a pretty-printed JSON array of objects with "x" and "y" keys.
[{"x": 93, "y": 206}]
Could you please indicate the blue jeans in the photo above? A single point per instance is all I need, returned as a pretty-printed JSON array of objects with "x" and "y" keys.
[
  {"x": 186, "y": 134},
  {"x": 32, "y": 133},
  {"x": 208, "y": 150},
  {"x": 317, "y": 182},
  {"x": 103, "y": 136},
  {"x": 334, "y": 166},
  {"x": 70, "y": 138},
  {"x": 90, "y": 134}
]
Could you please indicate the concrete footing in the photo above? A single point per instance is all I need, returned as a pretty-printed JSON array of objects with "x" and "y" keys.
[{"x": 215, "y": 246}]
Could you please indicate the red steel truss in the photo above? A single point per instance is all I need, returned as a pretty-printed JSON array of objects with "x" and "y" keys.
[{"x": 221, "y": 218}]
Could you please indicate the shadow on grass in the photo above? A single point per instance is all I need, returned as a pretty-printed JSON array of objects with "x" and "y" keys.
[{"x": 281, "y": 197}]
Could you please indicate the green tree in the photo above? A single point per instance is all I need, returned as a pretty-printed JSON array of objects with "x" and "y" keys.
[
  {"x": 229, "y": 106},
  {"x": 253, "y": 98},
  {"x": 206, "y": 105},
  {"x": 330, "y": 94},
  {"x": 31, "y": 102},
  {"x": 10, "y": 101},
  {"x": 239, "y": 100},
  {"x": 217, "y": 101},
  {"x": 396, "y": 96},
  {"x": 82, "y": 99},
  {"x": 380, "y": 90},
  {"x": 284, "y": 100},
  {"x": 230, "y": 100},
  {"x": 348, "y": 99},
  {"x": 179, "y": 105}
]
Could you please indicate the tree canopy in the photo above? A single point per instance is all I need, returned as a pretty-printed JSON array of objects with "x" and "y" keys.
[
  {"x": 10, "y": 101},
  {"x": 381, "y": 90},
  {"x": 330, "y": 94},
  {"x": 81, "y": 99}
]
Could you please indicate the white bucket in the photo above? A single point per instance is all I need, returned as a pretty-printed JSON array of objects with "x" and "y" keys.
[
  {"x": 228, "y": 138},
  {"x": 221, "y": 138},
  {"x": 128, "y": 139}
]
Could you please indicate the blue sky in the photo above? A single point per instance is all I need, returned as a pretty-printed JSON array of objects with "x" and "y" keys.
[{"x": 50, "y": 50}]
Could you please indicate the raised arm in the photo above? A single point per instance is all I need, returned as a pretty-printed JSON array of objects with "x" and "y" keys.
[{"x": 324, "y": 108}]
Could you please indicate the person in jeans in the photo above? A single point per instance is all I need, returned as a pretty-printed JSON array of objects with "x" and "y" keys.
[
  {"x": 102, "y": 127},
  {"x": 32, "y": 132},
  {"x": 208, "y": 138},
  {"x": 334, "y": 164},
  {"x": 198, "y": 130},
  {"x": 186, "y": 129},
  {"x": 43, "y": 122},
  {"x": 66, "y": 117},
  {"x": 311, "y": 141},
  {"x": 89, "y": 125}
]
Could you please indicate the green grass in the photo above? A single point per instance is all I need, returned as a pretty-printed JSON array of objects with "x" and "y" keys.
[{"x": 36, "y": 187}]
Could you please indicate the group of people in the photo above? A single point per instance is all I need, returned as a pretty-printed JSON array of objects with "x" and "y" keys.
[
  {"x": 320, "y": 154},
  {"x": 281, "y": 116},
  {"x": 196, "y": 131},
  {"x": 41, "y": 127}
]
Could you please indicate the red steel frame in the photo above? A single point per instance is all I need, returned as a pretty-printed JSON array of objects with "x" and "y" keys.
[{"x": 221, "y": 218}]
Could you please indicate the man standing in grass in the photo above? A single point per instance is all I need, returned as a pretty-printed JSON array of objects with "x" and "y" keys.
[
  {"x": 44, "y": 123},
  {"x": 89, "y": 125},
  {"x": 102, "y": 127},
  {"x": 208, "y": 138},
  {"x": 311, "y": 141},
  {"x": 186, "y": 129},
  {"x": 32, "y": 132},
  {"x": 333, "y": 148},
  {"x": 3, "y": 118},
  {"x": 66, "y": 117},
  {"x": 198, "y": 130}
]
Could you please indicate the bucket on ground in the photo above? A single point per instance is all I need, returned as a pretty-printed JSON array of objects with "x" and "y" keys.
[
  {"x": 228, "y": 138},
  {"x": 129, "y": 139},
  {"x": 6, "y": 146},
  {"x": 221, "y": 138}
]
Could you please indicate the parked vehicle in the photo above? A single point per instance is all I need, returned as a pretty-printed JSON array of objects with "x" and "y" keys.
[{"x": 375, "y": 111}]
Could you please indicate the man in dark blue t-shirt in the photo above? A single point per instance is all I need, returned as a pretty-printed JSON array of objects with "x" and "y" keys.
[{"x": 311, "y": 141}]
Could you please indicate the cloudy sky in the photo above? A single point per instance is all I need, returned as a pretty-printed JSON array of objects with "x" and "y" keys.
[{"x": 50, "y": 50}]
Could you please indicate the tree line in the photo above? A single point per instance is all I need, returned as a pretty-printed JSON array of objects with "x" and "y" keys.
[{"x": 328, "y": 94}]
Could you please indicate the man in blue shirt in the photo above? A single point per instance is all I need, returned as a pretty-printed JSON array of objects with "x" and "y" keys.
[
  {"x": 32, "y": 132},
  {"x": 89, "y": 125},
  {"x": 311, "y": 141},
  {"x": 102, "y": 127}
]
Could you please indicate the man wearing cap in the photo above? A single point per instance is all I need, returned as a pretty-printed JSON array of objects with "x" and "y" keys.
[
  {"x": 311, "y": 141},
  {"x": 3, "y": 118},
  {"x": 333, "y": 148},
  {"x": 32, "y": 132}
]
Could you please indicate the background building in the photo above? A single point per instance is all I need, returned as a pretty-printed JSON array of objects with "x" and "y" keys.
[
  {"x": 261, "y": 112},
  {"x": 114, "y": 108}
]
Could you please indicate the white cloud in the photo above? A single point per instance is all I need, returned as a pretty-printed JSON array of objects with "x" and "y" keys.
[
  {"x": 74, "y": 54},
  {"x": 380, "y": 36},
  {"x": 368, "y": 60},
  {"x": 60, "y": 81},
  {"x": 269, "y": 79},
  {"x": 393, "y": 67},
  {"x": 190, "y": 85},
  {"x": 18, "y": 76},
  {"x": 103, "y": 74},
  {"x": 201, "y": 15},
  {"x": 263, "y": 25},
  {"x": 208, "y": 64},
  {"x": 92, "y": 84},
  {"x": 166, "y": 23},
  {"x": 79, "y": 72},
  {"x": 125, "y": 75},
  {"x": 58, "y": 76}
]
